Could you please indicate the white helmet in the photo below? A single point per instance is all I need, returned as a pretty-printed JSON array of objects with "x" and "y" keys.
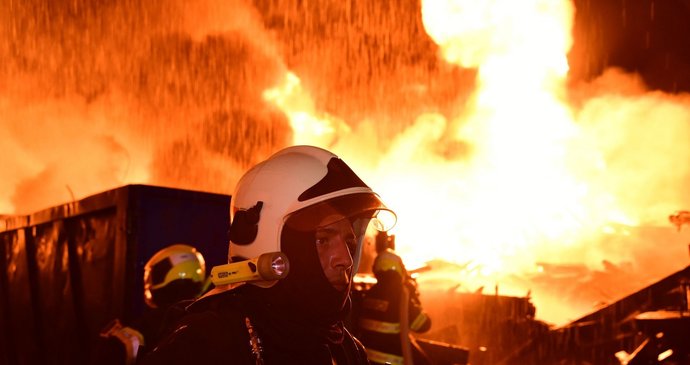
[
  {"x": 284, "y": 185},
  {"x": 277, "y": 206}
]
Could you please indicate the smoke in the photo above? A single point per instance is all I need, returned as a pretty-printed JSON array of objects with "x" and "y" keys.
[
  {"x": 100, "y": 94},
  {"x": 58, "y": 150},
  {"x": 642, "y": 136},
  {"x": 178, "y": 86}
]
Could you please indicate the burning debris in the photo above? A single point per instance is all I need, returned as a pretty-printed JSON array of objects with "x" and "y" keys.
[{"x": 680, "y": 218}]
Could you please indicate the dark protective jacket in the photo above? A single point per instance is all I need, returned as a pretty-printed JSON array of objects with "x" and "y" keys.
[
  {"x": 242, "y": 326},
  {"x": 379, "y": 319}
]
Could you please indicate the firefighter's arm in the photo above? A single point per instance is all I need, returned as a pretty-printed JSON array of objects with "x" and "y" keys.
[
  {"x": 411, "y": 285},
  {"x": 419, "y": 320},
  {"x": 130, "y": 339}
]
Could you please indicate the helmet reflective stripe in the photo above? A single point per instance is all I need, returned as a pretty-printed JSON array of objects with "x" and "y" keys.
[
  {"x": 181, "y": 257},
  {"x": 168, "y": 269},
  {"x": 187, "y": 269}
]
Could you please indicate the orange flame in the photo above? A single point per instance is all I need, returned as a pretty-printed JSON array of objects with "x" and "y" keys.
[
  {"x": 536, "y": 185},
  {"x": 308, "y": 127},
  {"x": 529, "y": 174}
]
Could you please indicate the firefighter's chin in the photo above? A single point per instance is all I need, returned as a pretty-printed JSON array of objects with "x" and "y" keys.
[{"x": 341, "y": 285}]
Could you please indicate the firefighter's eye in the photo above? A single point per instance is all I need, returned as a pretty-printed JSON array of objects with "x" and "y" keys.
[{"x": 321, "y": 239}]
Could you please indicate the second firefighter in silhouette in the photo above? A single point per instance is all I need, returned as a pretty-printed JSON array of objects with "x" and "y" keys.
[
  {"x": 390, "y": 311},
  {"x": 173, "y": 275}
]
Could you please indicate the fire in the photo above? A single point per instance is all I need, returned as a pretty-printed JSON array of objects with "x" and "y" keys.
[
  {"x": 309, "y": 128},
  {"x": 515, "y": 191},
  {"x": 522, "y": 192},
  {"x": 530, "y": 172},
  {"x": 533, "y": 186}
]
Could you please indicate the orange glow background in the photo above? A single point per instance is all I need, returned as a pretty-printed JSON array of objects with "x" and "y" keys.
[{"x": 504, "y": 172}]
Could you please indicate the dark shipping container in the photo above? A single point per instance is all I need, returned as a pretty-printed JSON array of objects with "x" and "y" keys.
[{"x": 66, "y": 271}]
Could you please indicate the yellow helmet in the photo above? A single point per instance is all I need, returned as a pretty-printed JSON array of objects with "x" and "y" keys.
[
  {"x": 387, "y": 260},
  {"x": 174, "y": 273}
]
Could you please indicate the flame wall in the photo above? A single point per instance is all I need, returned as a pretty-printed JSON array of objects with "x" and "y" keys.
[{"x": 97, "y": 94}]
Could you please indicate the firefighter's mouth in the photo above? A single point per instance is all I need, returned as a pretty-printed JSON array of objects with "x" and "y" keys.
[
  {"x": 342, "y": 282},
  {"x": 341, "y": 287}
]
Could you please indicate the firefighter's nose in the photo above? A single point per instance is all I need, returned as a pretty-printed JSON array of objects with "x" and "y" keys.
[{"x": 341, "y": 255}]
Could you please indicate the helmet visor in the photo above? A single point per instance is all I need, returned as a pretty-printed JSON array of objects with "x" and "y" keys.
[{"x": 359, "y": 208}]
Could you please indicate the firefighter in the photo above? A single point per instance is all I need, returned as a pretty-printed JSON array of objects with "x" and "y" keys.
[
  {"x": 390, "y": 311},
  {"x": 172, "y": 275},
  {"x": 306, "y": 203}
]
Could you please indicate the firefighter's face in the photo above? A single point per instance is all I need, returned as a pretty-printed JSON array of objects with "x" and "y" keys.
[{"x": 335, "y": 245}]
